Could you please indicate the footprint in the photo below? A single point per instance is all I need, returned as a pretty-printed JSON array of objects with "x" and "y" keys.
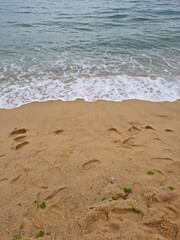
[
  {"x": 90, "y": 164},
  {"x": 21, "y": 171},
  {"x": 17, "y": 131},
  {"x": 157, "y": 139},
  {"x": 54, "y": 192},
  {"x": 163, "y": 116},
  {"x": 167, "y": 150},
  {"x": 18, "y": 139},
  {"x": 134, "y": 130},
  {"x": 17, "y": 147},
  {"x": 59, "y": 131},
  {"x": 113, "y": 130},
  {"x": 16, "y": 178},
  {"x": 169, "y": 130},
  {"x": 165, "y": 228},
  {"x": 172, "y": 212},
  {"x": 158, "y": 160},
  {"x": 108, "y": 215},
  {"x": 128, "y": 142},
  {"x": 129, "y": 213},
  {"x": 3, "y": 179},
  {"x": 118, "y": 210},
  {"x": 149, "y": 128}
]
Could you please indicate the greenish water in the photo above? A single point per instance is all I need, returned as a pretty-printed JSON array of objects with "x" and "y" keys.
[{"x": 111, "y": 50}]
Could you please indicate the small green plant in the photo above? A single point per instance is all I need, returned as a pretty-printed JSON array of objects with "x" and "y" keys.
[
  {"x": 16, "y": 237},
  {"x": 35, "y": 201},
  {"x": 42, "y": 205},
  {"x": 99, "y": 193},
  {"x": 39, "y": 234},
  {"x": 104, "y": 198},
  {"x": 130, "y": 159},
  {"x": 21, "y": 227},
  {"x": 135, "y": 210},
  {"x": 150, "y": 173},
  {"x": 48, "y": 233},
  {"x": 114, "y": 198},
  {"x": 171, "y": 188},
  {"x": 19, "y": 204},
  {"x": 127, "y": 190}
]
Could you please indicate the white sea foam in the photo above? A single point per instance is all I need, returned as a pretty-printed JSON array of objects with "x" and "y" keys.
[{"x": 116, "y": 88}]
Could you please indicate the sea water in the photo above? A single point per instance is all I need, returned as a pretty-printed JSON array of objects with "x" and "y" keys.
[{"x": 104, "y": 49}]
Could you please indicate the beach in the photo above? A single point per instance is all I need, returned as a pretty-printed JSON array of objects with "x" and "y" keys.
[
  {"x": 90, "y": 170},
  {"x": 89, "y": 120}
]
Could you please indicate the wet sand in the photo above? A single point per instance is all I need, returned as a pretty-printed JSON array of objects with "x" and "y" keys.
[{"x": 83, "y": 171}]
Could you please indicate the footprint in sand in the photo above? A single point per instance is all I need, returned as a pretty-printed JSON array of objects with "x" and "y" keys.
[
  {"x": 134, "y": 130},
  {"x": 125, "y": 213},
  {"x": 109, "y": 215},
  {"x": 149, "y": 128},
  {"x": 58, "y": 131},
  {"x": 167, "y": 150},
  {"x": 159, "y": 160},
  {"x": 17, "y": 147},
  {"x": 157, "y": 139},
  {"x": 18, "y": 131},
  {"x": 19, "y": 139},
  {"x": 164, "y": 228},
  {"x": 128, "y": 142},
  {"x": 169, "y": 130},
  {"x": 90, "y": 164},
  {"x": 113, "y": 130},
  {"x": 54, "y": 192},
  {"x": 163, "y": 116},
  {"x": 14, "y": 179}
]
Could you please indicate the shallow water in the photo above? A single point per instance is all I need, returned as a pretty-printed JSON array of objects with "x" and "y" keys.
[{"x": 111, "y": 50}]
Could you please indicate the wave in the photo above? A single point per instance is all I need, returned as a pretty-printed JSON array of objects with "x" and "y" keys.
[{"x": 116, "y": 88}]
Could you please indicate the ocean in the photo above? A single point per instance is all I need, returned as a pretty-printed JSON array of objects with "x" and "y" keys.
[{"x": 81, "y": 49}]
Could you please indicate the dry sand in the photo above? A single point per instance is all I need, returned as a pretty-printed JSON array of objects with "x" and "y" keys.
[{"x": 76, "y": 156}]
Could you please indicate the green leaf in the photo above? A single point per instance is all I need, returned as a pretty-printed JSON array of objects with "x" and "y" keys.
[
  {"x": 39, "y": 234},
  {"x": 135, "y": 210},
  {"x": 114, "y": 198},
  {"x": 150, "y": 173},
  {"x": 127, "y": 190},
  {"x": 171, "y": 188},
  {"x": 42, "y": 205},
  {"x": 16, "y": 237}
]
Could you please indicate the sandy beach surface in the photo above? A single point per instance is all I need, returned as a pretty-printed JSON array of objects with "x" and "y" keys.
[{"x": 90, "y": 171}]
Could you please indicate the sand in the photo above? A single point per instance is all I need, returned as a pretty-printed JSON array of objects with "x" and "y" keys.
[{"x": 78, "y": 171}]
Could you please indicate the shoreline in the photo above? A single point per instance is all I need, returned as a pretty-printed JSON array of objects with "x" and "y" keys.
[
  {"x": 85, "y": 101},
  {"x": 105, "y": 170}
]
